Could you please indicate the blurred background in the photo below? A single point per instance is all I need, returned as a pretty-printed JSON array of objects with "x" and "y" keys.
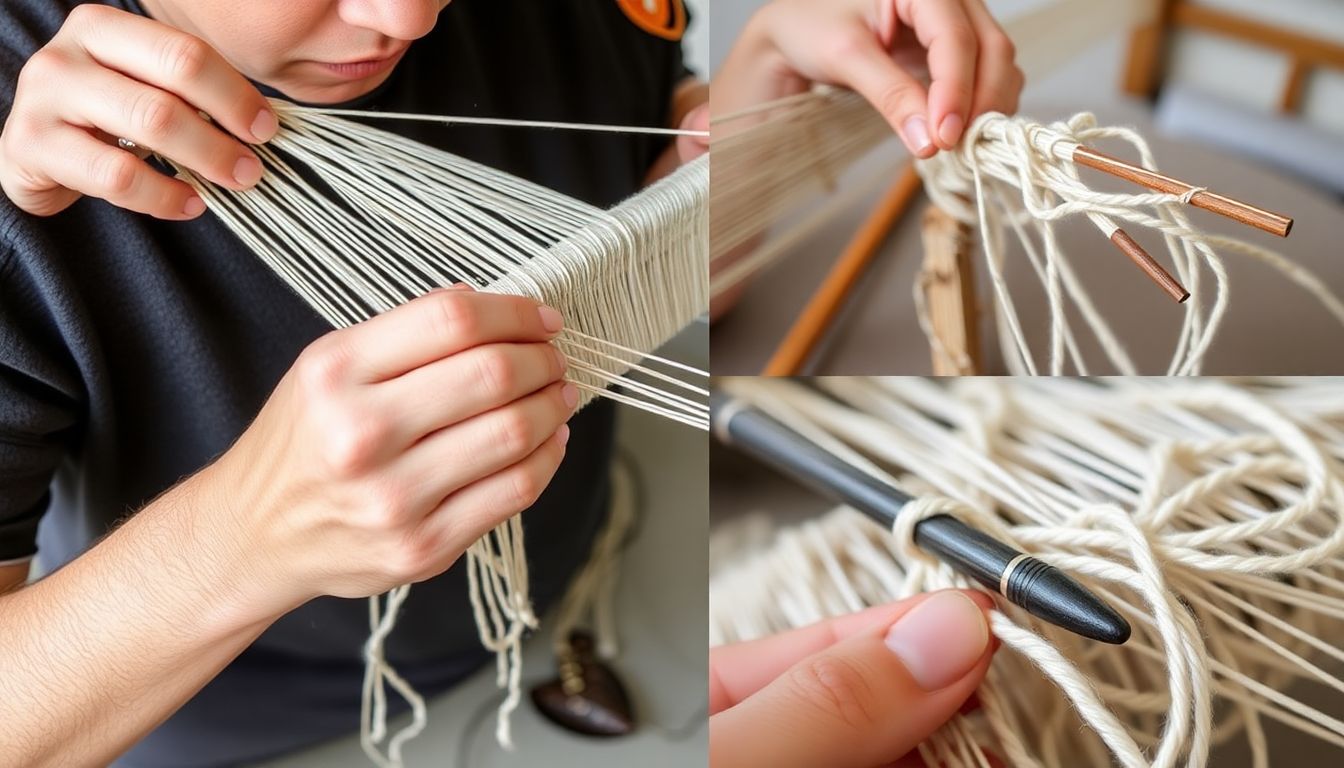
[{"x": 1244, "y": 97}]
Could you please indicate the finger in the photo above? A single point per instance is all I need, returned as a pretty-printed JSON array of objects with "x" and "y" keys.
[
  {"x": 175, "y": 61},
  {"x": 869, "y": 70},
  {"x": 109, "y": 101},
  {"x": 439, "y": 324},
  {"x": 738, "y": 670},
  {"x": 462, "y": 454},
  {"x": 480, "y": 379},
  {"x": 998, "y": 80},
  {"x": 471, "y": 512},
  {"x": 945, "y": 30},
  {"x": 81, "y": 162},
  {"x": 867, "y": 699},
  {"x": 691, "y": 147}
]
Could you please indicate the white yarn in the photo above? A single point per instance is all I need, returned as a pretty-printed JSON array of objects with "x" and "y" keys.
[
  {"x": 1210, "y": 514},
  {"x": 358, "y": 220},
  {"x": 1008, "y": 174}
]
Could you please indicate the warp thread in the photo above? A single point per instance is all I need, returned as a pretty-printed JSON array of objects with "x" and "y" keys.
[{"x": 358, "y": 220}]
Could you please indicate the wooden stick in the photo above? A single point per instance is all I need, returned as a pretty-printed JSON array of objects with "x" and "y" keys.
[
  {"x": 1149, "y": 265},
  {"x": 948, "y": 282},
  {"x": 1245, "y": 213},
  {"x": 825, "y": 303}
]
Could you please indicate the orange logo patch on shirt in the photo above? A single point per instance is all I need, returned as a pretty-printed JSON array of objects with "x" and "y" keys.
[{"x": 663, "y": 18}]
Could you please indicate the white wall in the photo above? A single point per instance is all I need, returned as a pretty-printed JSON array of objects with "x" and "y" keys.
[{"x": 696, "y": 42}]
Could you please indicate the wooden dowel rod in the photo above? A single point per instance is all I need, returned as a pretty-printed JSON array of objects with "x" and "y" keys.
[
  {"x": 1149, "y": 265},
  {"x": 830, "y": 296},
  {"x": 1245, "y": 213}
]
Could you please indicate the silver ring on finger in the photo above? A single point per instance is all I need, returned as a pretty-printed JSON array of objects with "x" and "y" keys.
[{"x": 127, "y": 144}]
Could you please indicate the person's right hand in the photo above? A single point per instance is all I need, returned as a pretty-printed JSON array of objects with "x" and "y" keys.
[
  {"x": 109, "y": 74},
  {"x": 390, "y": 447}
]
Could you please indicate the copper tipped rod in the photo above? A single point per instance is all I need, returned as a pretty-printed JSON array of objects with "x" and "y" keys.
[
  {"x": 1273, "y": 223},
  {"x": 1149, "y": 265}
]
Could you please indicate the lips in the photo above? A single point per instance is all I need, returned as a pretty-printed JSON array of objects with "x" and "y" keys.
[{"x": 361, "y": 69}]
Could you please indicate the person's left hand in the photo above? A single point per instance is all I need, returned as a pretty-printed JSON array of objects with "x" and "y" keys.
[
  {"x": 853, "y": 692},
  {"x": 881, "y": 49}
]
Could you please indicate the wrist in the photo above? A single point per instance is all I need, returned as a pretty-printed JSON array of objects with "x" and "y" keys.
[{"x": 237, "y": 583}]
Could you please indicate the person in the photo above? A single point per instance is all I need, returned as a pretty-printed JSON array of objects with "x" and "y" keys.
[
  {"x": 866, "y": 689},
  {"x": 885, "y": 50},
  {"x": 205, "y": 468}
]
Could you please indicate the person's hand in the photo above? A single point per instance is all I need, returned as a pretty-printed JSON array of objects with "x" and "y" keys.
[
  {"x": 854, "y": 692},
  {"x": 692, "y": 147},
  {"x": 391, "y": 446},
  {"x": 109, "y": 74},
  {"x": 881, "y": 49}
]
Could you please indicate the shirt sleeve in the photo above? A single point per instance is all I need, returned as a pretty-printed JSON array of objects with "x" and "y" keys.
[{"x": 39, "y": 404}]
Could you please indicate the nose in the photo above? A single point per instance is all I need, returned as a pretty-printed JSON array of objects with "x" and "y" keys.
[{"x": 398, "y": 19}]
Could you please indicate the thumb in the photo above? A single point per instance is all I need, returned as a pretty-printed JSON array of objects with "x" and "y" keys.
[
  {"x": 866, "y": 700},
  {"x": 691, "y": 147}
]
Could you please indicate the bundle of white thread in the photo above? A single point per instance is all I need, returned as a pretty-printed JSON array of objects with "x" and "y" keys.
[
  {"x": 1008, "y": 175},
  {"x": 358, "y": 220},
  {"x": 1211, "y": 514},
  {"x": 1012, "y": 174}
]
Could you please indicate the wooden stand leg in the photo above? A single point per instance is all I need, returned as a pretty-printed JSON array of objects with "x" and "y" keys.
[{"x": 948, "y": 282}]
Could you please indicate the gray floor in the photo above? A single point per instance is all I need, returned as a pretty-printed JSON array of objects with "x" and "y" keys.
[{"x": 661, "y": 608}]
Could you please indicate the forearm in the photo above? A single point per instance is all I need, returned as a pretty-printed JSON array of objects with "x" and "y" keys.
[{"x": 96, "y": 655}]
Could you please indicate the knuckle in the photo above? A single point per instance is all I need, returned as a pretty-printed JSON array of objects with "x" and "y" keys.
[
  {"x": 183, "y": 57},
  {"x": 525, "y": 488},
  {"x": 848, "y": 44},
  {"x": 388, "y": 504},
  {"x": 86, "y": 15},
  {"x": 454, "y": 317},
  {"x": 893, "y": 99},
  {"x": 41, "y": 67},
  {"x": 324, "y": 366},
  {"x": 113, "y": 173},
  {"x": 960, "y": 37},
  {"x": 352, "y": 443},
  {"x": 1001, "y": 45},
  {"x": 513, "y": 432},
  {"x": 839, "y": 688},
  {"x": 154, "y": 114},
  {"x": 496, "y": 372}
]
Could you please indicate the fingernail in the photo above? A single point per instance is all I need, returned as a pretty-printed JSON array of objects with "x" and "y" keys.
[
  {"x": 560, "y": 358},
  {"x": 195, "y": 206},
  {"x": 571, "y": 395},
  {"x": 247, "y": 171},
  {"x": 950, "y": 130},
  {"x": 940, "y": 640},
  {"x": 917, "y": 134},
  {"x": 461, "y": 287},
  {"x": 562, "y": 434},
  {"x": 551, "y": 319},
  {"x": 265, "y": 126}
]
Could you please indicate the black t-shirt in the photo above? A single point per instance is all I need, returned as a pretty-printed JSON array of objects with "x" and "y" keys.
[{"x": 134, "y": 351}]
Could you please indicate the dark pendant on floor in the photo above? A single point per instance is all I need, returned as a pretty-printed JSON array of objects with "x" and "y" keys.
[{"x": 587, "y": 697}]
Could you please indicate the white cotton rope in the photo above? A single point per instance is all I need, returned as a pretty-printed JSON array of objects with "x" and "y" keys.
[
  {"x": 1008, "y": 174},
  {"x": 357, "y": 220},
  {"x": 1209, "y": 513}
]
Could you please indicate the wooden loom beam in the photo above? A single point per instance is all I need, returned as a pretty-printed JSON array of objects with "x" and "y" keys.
[
  {"x": 812, "y": 323},
  {"x": 947, "y": 279}
]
